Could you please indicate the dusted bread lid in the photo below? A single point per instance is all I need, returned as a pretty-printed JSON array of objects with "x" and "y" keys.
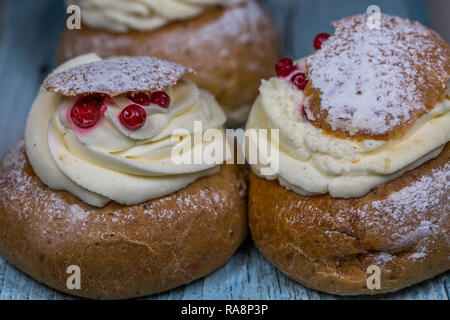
[
  {"x": 115, "y": 76},
  {"x": 376, "y": 83}
]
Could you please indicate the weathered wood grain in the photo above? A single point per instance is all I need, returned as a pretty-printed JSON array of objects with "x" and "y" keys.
[{"x": 29, "y": 32}]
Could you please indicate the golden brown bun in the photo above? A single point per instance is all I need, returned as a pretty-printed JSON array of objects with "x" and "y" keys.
[
  {"x": 327, "y": 244},
  {"x": 123, "y": 251},
  {"x": 231, "y": 49}
]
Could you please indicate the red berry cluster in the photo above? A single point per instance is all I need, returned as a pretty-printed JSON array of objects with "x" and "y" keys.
[
  {"x": 85, "y": 113},
  {"x": 285, "y": 67},
  {"x": 133, "y": 117},
  {"x": 159, "y": 98}
]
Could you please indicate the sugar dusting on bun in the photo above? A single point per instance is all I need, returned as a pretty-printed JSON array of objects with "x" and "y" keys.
[
  {"x": 374, "y": 83},
  {"x": 117, "y": 76}
]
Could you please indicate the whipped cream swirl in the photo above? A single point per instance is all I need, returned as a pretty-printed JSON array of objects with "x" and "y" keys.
[
  {"x": 141, "y": 15},
  {"x": 109, "y": 162},
  {"x": 312, "y": 162}
]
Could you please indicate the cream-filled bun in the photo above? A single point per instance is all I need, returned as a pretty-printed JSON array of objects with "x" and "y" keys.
[
  {"x": 220, "y": 39},
  {"x": 362, "y": 127},
  {"x": 95, "y": 183},
  {"x": 108, "y": 160}
]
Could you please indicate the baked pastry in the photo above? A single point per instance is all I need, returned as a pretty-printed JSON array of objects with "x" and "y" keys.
[
  {"x": 220, "y": 39},
  {"x": 363, "y": 172},
  {"x": 95, "y": 183}
]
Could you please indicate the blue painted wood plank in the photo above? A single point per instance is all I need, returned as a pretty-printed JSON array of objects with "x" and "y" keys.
[
  {"x": 29, "y": 38},
  {"x": 446, "y": 283},
  {"x": 194, "y": 291},
  {"x": 29, "y": 32}
]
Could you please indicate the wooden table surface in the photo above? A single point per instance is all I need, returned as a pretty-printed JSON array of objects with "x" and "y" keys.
[{"x": 29, "y": 32}]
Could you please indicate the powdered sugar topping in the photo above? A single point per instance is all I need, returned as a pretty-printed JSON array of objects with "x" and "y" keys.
[
  {"x": 372, "y": 81},
  {"x": 420, "y": 197},
  {"x": 116, "y": 76},
  {"x": 418, "y": 213}
]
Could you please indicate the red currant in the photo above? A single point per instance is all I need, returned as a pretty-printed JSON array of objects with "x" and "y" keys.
[
  {"x": 284, "y": 67},
  {"x": 133, "y": 117},
  {"x": 160, "y": 98},
  {"x": 86, "y": 111},
  {"x": 140, "y": 98},
  {"x": 299, "y": 80},
  {"x": 319, "y": 39}
]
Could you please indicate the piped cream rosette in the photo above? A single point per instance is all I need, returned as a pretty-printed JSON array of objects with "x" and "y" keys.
[
  {"x": 109, "y": 162},
  {"x": 312, "y": 162}
]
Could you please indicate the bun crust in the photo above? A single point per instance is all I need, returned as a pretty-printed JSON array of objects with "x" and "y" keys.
[
  {"x": 122, "y": 251},
  {"x": 231, "y": 49},
  {"x": 327, "y": 244}
]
